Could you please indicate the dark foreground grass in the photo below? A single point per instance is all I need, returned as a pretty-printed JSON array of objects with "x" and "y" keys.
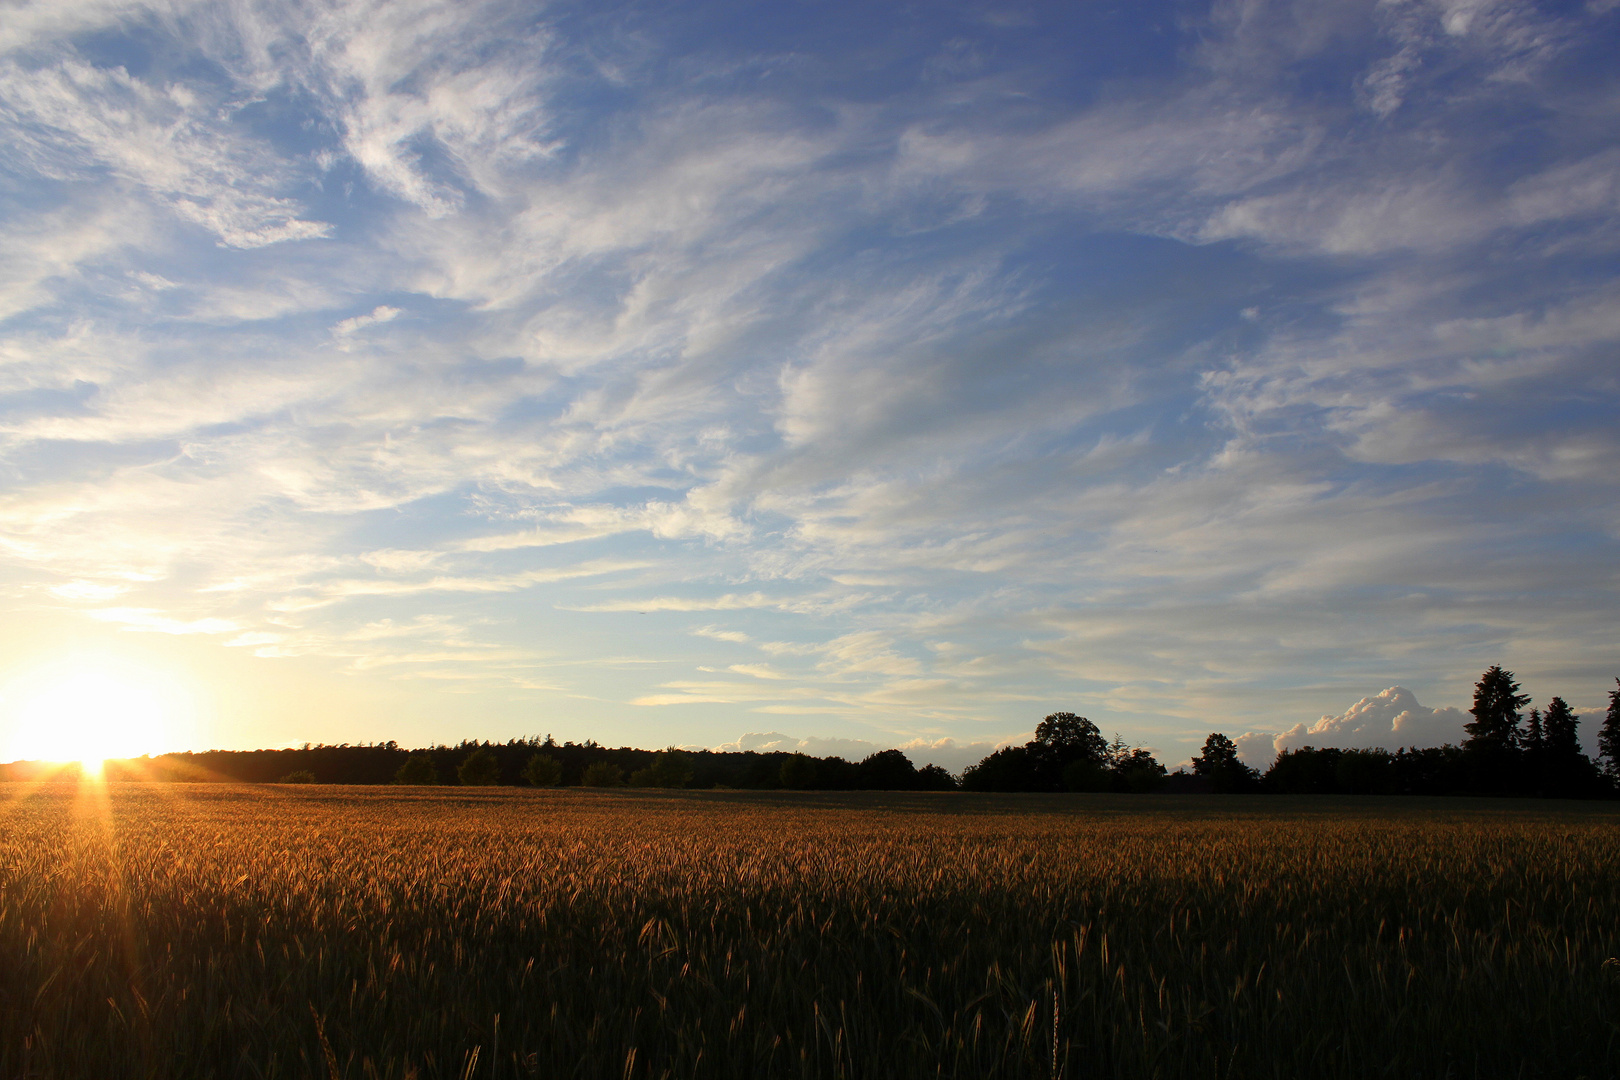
[{"x": 182, "y": 931}]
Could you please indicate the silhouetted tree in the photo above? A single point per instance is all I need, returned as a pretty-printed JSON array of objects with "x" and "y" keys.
[
  {"x": 1431, "y": 770},
  {"x": 1012, "y": 768},
  {"x": 1531, "y": 737},
  {"x": 1609, "y": 736},
  {"x": 1304, "y": 770},
  {"x": 1332, "y": 771},
  {"x": 1220, "y": 764},
  {"x": 1084, "y": 774},
  {"x": 1494, "y": 764},
  {"x": 1068, "y": 753},
  {"x": 1072, "y": 737},
  {"x": 301, "y": 776},
  {"x": 834, "y": 773},
  {"x": 418, "y": 769},
  {"x": 1564, "y": 768},
  {"x": 1562, "y": 739},
  {"x": 543, "y": 770},
  {"x": 798, "y": 772},
  {"x": 480, "y": 769},
  {"x": 602, "y": 774},
  {"x": 1138, "y": 771},
  {"x": 935, "y": 778},
  {"x": 1497, "y": 702},
  {"x": 1365, "y": 771},
  {"x": 669, "y": 769},
  {"x": 887, "y": 770},
  {"x": 1219, "y": 753}
]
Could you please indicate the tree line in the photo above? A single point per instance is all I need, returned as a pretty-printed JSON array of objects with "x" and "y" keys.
[
  {"x": 529, "y": 761},
  {"x": 1508, "y": 751}
]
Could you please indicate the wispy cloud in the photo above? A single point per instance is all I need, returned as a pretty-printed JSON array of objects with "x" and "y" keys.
[
  {"x": 1151, "y": 382},
  {"x": 380, "y": 314},
  {"x": 157, "y": 622},
  {"x": 724, "y": 602}
]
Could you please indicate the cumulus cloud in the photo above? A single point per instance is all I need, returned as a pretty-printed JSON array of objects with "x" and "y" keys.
[
  {"x": 1391, "y": 719},
  {"x": 950, "y": 754}
]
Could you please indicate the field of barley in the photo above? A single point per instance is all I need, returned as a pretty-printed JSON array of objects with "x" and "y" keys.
[{"x": 216, "y": 931}]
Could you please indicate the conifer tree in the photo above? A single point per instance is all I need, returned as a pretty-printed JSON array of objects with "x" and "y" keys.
[
  {"x": 1609, "y": 737},
  {"x": 1497, "y": 702},
  {"x": 1530, "y": 738},
  {"x": 1562, "y": 741}
]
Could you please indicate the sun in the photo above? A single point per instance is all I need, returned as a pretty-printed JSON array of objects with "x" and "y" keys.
[{"x": 91, "y": 709}]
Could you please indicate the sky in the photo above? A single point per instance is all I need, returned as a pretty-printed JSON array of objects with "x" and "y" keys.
[{"x": 835, "y": 375}]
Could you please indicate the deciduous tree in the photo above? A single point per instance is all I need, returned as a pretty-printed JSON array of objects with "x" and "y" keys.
[
  {"x": 602, "y": 774},
  {"x": 1071, "y": 737},
  {"x": 887, "y": 770},
  {"x": 798, "y": 772},
  {"x": 418, "y": 769},
  {"x": 1221, "y": 765},
  {"x": 543, "y": 770},
  {"x": 480, "y": 769},
  {"x": 669, "y": 769}
]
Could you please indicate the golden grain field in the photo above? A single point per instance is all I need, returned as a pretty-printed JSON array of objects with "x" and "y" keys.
[{"x": 218, "y": 931}]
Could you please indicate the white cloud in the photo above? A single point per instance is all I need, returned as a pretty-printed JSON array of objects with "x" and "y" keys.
[
  {"x": 155, "y": 621},
  {"x": 719, "y": 634},
  {"x": 1391, "y": 720},
  {"x": 724, "y": 602},
  {"x": 39, "y": 253},
  {"x": 88, "y": 590},
  {"x": 380, "y": 314},
  {"x": 75, "y": 118},
  {"x": 486, "y": 583},
  {"x": 948, "y": 753},
  {"x": 758, "y": 671}
]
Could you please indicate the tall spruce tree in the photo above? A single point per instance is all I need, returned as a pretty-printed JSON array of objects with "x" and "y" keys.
[
  {"x": 1531, "y": 737},
  {"x": 1497, "y": 702},
  {"x": 1562, "y": 740},
  {"x": 1609, "y": 736}
]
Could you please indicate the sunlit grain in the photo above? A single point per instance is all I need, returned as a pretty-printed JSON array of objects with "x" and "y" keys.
[{"x": 279, "y": 932}]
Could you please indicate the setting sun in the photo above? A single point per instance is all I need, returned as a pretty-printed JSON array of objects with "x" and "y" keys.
[{"x": 89, "y": 710}]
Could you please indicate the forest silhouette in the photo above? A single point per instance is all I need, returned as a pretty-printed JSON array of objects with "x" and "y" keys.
[{"x": 1508, "y": 751}]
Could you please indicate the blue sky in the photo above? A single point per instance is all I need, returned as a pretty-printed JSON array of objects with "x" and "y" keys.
[{"x": 844, "y": 374}]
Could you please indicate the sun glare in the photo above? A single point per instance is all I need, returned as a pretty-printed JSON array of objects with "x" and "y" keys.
[{"x": 88, "y": 711}]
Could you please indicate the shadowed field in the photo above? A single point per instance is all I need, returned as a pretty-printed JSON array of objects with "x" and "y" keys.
[{"x": 206, "y": 930}]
